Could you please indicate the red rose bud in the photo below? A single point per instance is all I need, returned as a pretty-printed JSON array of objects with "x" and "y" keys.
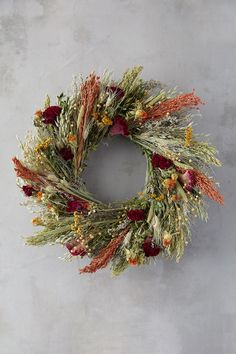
[
  {"x": 50, "y": 114},
  {"x": 150, "y": 249},
  {"x": 117, "y": 91},
  {"x": 75, "y": 249},
  {"x": 161, "y": 162},
  {"x": 136, "y": 214},
  {"x": 66, "y": 153},
  {"x": 188, "y": 179},
  {"x": 120, "y": 127},
  {"x": 28, "y": 190},
  {"x": 76, "y": 205}
]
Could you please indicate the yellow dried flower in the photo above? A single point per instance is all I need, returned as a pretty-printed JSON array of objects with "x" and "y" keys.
[
  {"x": 106, "y": 120},
  {"x": 169, "y": 183},
  {"x": 160, "y": 198},
  {"x": 188, "y": 136},
  {"x": 42, "y": 146},
  {"x": 37, "y": 221}
]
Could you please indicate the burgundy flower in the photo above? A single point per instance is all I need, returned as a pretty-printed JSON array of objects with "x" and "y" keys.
[
  {"x": 50, "y": 114},
  {"x": 75, "y": 249},
  {"x": 28, "y": 190},
  {"x": 119, "y": 93},
  {"x": 136, "y": 214},
  {"x": 150, "y": 249},
  {"x": 76, "y": 205},
  {"x": 66, "y": 153},
  {"x": 120, "y": 127},
  {"x": 161, "y": 162},
  {"x": 188, "y": 179}
]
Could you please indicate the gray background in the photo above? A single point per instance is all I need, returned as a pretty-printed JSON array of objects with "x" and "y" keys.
[{"x": 167, "y": 308}]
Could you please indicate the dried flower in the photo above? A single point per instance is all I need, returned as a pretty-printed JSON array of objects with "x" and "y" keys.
[
  {"x": 117, "y": 91},
  {"x": 169, "y": 183},
  {"x": 188, "y": 179},
  {"x": 107, "y": 121},
  {"x": 161, "y": 162},
  {"x": 28, "y": 190},
  {"x": 37, "y": 221},
  {"x": 76, "y": 205},
  {"x": 66, "y": 153},
  {"x": 141, "y": 114},
  {"x": 133, "y": 261},
  {"x": 136, "y": 214},
  {"x": 120, "y": 127},
  {"x": 71, "y": 138},
  {"x": 150, "y": 249},
  {"x": 167, "y": 238},
  {"x": 39, "y": 195},
  {"x": 43, "y": 145},
  {"x": 175, "y": 197},
  {"x": 160, "y": 198},
  {"x": 38, "y": 114},
  {"x": 188, "y": 136},
  {"x": 50, "y": 114},
  {"x": 75, "y": 249}
]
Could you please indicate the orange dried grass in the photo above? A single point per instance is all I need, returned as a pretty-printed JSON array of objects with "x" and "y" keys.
[
  {"x": 104, "y": 257},
  {"x": 89, "y": 93},
  {"x": 207, "y": 187},
  {"x": 24, "y": 172},
  {"x": 187, "y": 100}
]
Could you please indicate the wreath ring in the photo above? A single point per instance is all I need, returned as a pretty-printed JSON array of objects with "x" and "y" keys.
[{"x": 157, "y": 220}]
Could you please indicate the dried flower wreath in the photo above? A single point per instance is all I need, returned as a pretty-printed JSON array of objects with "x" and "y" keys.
[{"x": 154, "y": 222}]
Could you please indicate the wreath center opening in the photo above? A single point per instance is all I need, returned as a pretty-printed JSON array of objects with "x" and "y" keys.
[{"x": 115, "y": 171}]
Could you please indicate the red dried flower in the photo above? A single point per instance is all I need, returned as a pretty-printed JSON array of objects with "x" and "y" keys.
[
  {"x": 161, "y": 162},
  {"x": 188, "y": 179},
  {"x": 50, "y": 114},
  {"x": 120, "y": 127},
  {"x": 76, "y": 205},
  {"x": 119, "y": 93},
  {"x": 75, "y": 249},
  {"x": 150, "y": 249},
  {"x": 66, "y": 153},
  {"x": 136, "y": 214},
  {"x": 28, "y": 190}
]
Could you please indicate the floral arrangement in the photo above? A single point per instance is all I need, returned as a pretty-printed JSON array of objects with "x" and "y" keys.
[{"x": 155, "y": 222}]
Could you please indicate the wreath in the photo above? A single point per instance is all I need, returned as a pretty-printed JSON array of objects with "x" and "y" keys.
[{"x": 155, "y": 222}]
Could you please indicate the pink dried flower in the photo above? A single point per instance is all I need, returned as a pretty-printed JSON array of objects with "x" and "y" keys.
[
  {"x": 120, "y": 127},
  {"x": 161, "y": 162},
  {"x": 188, "y": 179},
  {"x": 136, "y": 214},
  {"x": 28, "y": 190},
  {"x": 150, "y": 249},
  {"x": 66, "y": 153},
  {"x": 50, "y": 114},
  {"x": 117, "y": 91}
]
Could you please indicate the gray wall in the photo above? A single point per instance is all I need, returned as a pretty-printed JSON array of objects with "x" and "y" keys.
[{"x": 167, "y": 308}]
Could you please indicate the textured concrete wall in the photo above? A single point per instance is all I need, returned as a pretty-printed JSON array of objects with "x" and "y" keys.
[{"x": 45, "y": 306}]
